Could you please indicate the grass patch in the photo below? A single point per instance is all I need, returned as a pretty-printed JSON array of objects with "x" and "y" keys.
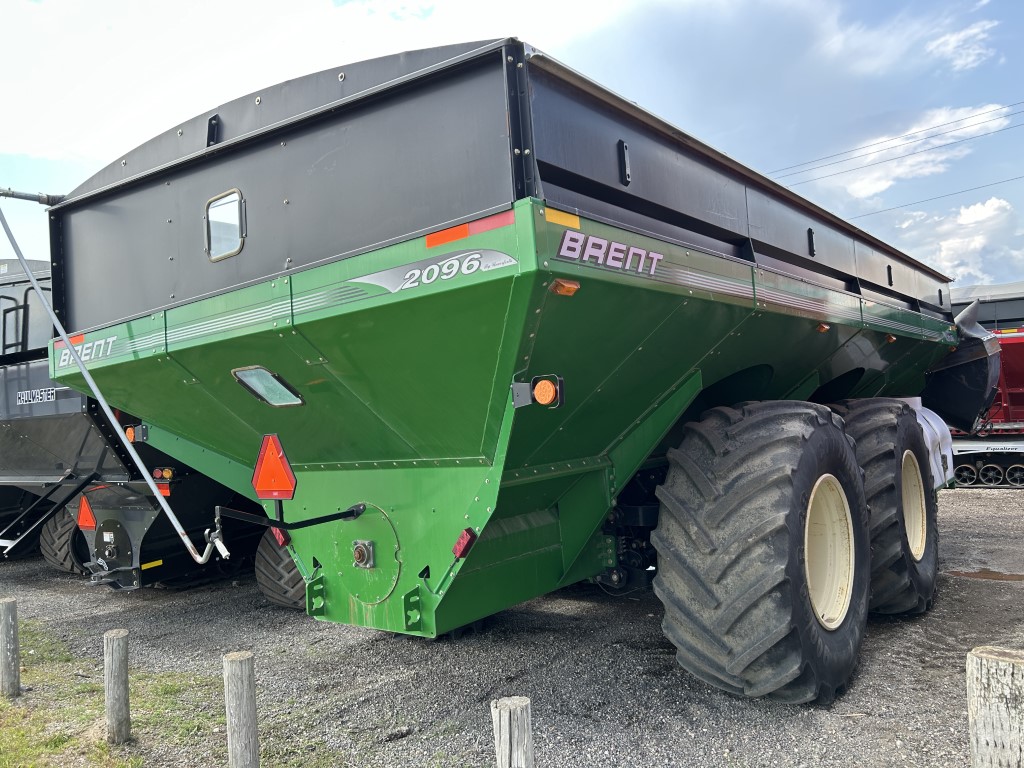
[
  {"x": 49, "y": 724},
  {"x": 59, "y": 719}
]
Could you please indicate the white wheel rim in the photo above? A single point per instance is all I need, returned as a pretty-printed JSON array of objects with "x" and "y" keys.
[
  {"x": 915, "y": 511},
  {"x": 1015, "y": 475},
  {"x": 828, "y": 552},
  {"x": 991, "y": 474}
]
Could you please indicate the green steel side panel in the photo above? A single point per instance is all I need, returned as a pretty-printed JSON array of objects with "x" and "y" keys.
[{"x": 404, "y": 359}]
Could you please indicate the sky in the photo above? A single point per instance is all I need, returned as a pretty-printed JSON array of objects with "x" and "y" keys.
[{"x": 901, "y": 117}]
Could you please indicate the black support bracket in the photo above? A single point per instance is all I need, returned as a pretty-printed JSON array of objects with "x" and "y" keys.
[{"x": 278, "y": 520}]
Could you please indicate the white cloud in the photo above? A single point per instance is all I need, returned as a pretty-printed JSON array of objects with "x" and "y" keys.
[
  {"x": 979, "y": 212},
  {"x": 965, "y": 49},
  {"x": 977, "y": 243},
  {"x": 872, "y": 51},
  {"x": 893, "y": 158},
  {"x": 103, "y": 77}
]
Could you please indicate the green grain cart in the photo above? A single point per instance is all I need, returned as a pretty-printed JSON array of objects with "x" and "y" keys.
[{"x": 473, "y": 328}]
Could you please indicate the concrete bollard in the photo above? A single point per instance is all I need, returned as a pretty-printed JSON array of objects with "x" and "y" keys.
[
  {"x": 240, "y": 703},
  {"x": 10, "y": 656},
  {"x": 115, "y": 685},
  {"x": 995, "y": 707},
  {"x": 513, "y": 732}
]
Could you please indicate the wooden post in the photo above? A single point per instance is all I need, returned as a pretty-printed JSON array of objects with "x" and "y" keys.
[
  {"x": 10, "y": 657},
  {"x": 240, "y": 703},
  {"x": 513, "y": 734},
  {"x": 995, "y": 707},
  {"x": 115, "y": 684}
]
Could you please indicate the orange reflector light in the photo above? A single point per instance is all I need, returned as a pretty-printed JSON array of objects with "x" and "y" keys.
[
  {"x": 273, "y": 478},
  {"x": 563, "y": 287},
  {"x": 129, "y": 432},
  {"x": 464, "y": 543},
  {"x": 485, "y": 224},
  {"x": 824, "y": 327},
  {"x": 545, "y": 392},
  {"x": 890, "y": 338},
  {"x": 164, "y": 488},
  {"x": 86, "y": 519}
]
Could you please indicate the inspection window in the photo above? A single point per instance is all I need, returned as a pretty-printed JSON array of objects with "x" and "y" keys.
[
  {"x": 225, "y": 225},
  {"x": 267, "y": 386}
]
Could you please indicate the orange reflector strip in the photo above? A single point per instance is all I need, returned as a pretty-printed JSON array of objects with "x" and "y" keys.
[
  {"x": 447, "y": 235},
  {"x": 560, "y": 217},
  {"x": 75, "y": 341},
  {"x": 164, "y": 488},
  {"x": 273, "y": 477},
  {"x": 562, "y": 287},
  {"x": 86, "y": 519},
  {"x": 545, "y": 392},
  {"x": 485, "y": 224}
]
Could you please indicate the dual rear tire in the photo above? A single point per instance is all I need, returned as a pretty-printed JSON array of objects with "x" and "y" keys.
[{"x": 768, "y": 555}]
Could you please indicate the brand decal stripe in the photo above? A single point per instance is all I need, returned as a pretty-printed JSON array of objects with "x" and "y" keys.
[
  {"x": 326, "y": 298},
  {"x": 818, "y": 306},
  {"x": 276, "y": 310},
  {"x": 690, "y": 279}
]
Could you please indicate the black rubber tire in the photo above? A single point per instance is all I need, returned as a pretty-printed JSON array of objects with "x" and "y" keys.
[
  {"x": 883, "y": 429},
  {"x": 730, "y": 541},
  {"x": 276, "y": 575},
  {"x": 63, "y": 545}
]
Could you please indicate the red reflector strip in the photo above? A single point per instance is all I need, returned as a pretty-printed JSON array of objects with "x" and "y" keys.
[
  {"x": 282, "y": 537},
  {"x": 164, "y": 488},
  {"x": 75, "y": 340},
  {"x": 485, "y": 224},
  {"x": 86, "y": 519},
  {"x": 503, "y": 219},
  {"x": 465, "y": 542}
]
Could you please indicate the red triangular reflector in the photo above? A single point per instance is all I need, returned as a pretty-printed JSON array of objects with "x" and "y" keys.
[
  {"x": 273, "y": 478},
  {"x": 86, "y": 519}
]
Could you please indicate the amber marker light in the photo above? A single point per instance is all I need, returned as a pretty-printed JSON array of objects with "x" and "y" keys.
[
  {"x": 167, "y": 474},
  {"x": 129, "y": 432},
  {"x": 562, "y": 287},
  {"x": 891, "y": 339},
  {"x": 824, "y": 327},
  {"x": 545, "y": 392}
]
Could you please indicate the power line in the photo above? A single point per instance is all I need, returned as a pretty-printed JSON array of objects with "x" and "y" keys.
[
  {"x": 897, "y": 138},
  {"x": 901, "y": 157},
  {"x": 897, "y": 146},
  {"x": 930, "y": 199}
]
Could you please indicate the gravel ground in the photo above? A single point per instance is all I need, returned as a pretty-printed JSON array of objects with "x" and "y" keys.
[{"x": 604, "y": 684}]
